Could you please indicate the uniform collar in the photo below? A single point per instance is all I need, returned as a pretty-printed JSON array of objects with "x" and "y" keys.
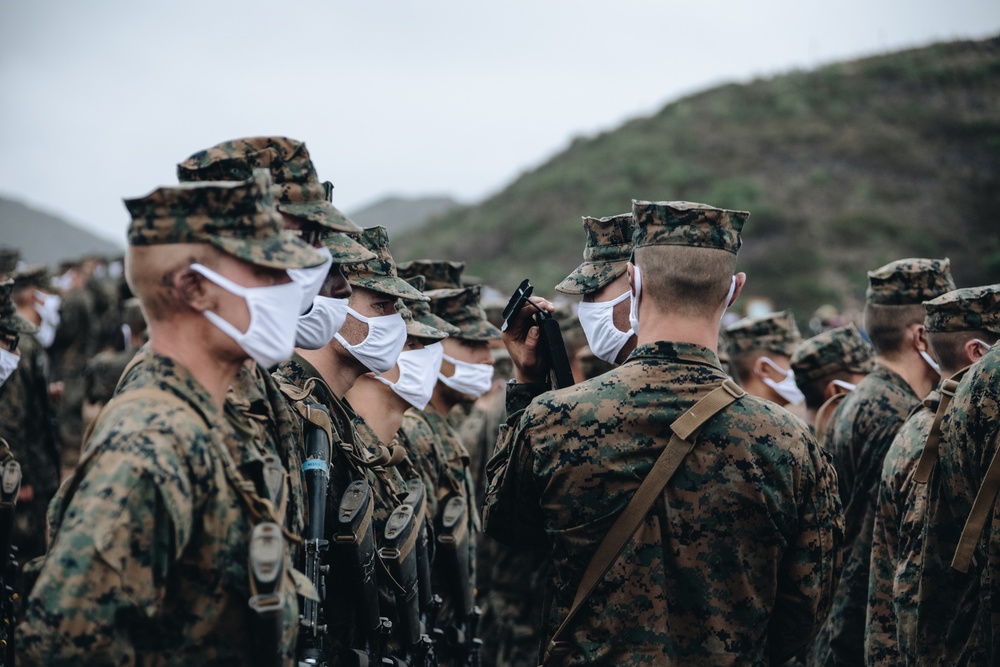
[{"x": 678, "y": 353}]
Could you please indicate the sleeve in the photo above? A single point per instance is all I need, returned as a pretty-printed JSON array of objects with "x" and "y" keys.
[
  {"x": 810, "y": 568},
  {"x": 109, "y": 563},
  {"x": 881, "y": 646}
]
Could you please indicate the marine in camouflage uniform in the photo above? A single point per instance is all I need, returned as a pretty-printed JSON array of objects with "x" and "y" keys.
[
  {"x": 760, "y": 353},
  {"x": 738, "y": 562},
  {"x": 325, "y": 376},
  {"x": 958, "y": 324},
  {"x": 827, "y": 367},
  {"x": 25, "y": 425},
  {"x": 863, "y": 426},
  {"x": 149, "y": 558}
]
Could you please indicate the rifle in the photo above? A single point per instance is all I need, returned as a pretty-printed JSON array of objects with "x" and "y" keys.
[
  {"x": 404, "y": 532},
  {"x": 267, "y": 569},
  {"x": 10, "y": 485},
  {"x": 552, "y": 347},
  {"x": 355, "y": 533},
  {"x": 454, "y": 552},
  {"x": 316, "y": 469}
]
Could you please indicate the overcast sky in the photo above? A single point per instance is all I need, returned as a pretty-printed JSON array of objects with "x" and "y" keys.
[{"x": 99, "y": 100}]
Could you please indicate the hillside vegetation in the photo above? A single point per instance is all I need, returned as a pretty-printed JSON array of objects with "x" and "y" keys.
[{"x": 843, "y": 169}]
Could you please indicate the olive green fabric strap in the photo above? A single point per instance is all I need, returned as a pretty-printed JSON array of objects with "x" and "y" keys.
[
  {"x": 821, "y": 414},
  {"x": 929, "y": 456},
  {"x": 981, "y": 509},
  {"x": 681, "y": 442}
]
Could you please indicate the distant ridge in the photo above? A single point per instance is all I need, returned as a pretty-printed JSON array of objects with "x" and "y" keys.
[
  {"x": 843, "y": 169},
  {"x": 46, "y": 239},
  {"x": 398, "y": 214}
]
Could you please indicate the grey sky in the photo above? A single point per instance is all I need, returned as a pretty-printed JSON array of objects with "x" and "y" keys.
[{"x": 101, "y": 99}]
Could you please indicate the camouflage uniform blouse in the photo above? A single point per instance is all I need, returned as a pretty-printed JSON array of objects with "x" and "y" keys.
[
  {"x": 864, "y": 426},
  {"x": 149, "y": 564},
  {"x": 738, "y": 562},
  {"x": 897, "y": 544}
]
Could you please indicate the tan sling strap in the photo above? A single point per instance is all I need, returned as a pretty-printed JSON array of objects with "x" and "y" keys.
[
  {"x": 929, "y": 457},
  {"x": 981, "y": 508},
  {"x": 681, "y": 442},
  {"x": 821, "y": 415}
]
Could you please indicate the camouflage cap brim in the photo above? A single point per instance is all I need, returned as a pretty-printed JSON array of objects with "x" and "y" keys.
[
  {"x": 591, "y": 276},
  {"x": 419, "y": 329},
  {"x": 346, "y": 250},
  {"x": 477, "y": 330},
  {"x": 322, "y": 213},
  {"x": 280, "y": 251},
  {"x": 390, "y": 285}
]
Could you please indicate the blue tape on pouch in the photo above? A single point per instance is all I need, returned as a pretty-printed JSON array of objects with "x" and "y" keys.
[{"x": 315, "y": 464}]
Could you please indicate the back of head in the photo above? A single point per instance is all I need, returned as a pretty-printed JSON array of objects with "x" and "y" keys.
[
  {"x": 894, "y": 297},
  {"x": 754, "y": 337},
  {"x": 837, "y": 354},
  {"x": 957, "y": 317},
  {"x": 605, "y": 255}
]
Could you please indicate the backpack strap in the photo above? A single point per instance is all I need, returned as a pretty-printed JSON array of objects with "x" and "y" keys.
[
  {"x": 821, "y": 415},
  {"x": 929, "y": 456},
  {"x": 680, "y": 444},
  {"x": 981, "y": 509}
]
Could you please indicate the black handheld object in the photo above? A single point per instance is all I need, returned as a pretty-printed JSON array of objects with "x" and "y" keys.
[
  {"x": 316, "y": 470},
  {"x": 10, "y": 485},
  {"x": 552, "y": 346}
]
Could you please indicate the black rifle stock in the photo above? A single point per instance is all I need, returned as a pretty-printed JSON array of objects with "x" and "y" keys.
[
  {"x": 267, "y": 568},
  {"x": 10, "y": 486},
  {"x": 316, "y": 469},
  {"x": 454, "y": 551},
  {"x": 552, "y": 348}
]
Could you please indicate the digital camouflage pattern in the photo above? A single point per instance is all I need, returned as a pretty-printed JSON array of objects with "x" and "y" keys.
[
  {"x": 957, "y": 613},
  {"x": 461, "y": 308},
  {"x": 774, "y": 332},
  {"x": 737, "y": 565},
  {"x": 73, "y": 345},
  {"x": 26, "y": 423},
  {"x": 966, "y": 309},
  {"x": 860, "y": 432},
  {"x": 101, "y": 375},
  {"x": 897, "y": 545},
  {"x": 687, "y": 224},
  {"x": 9, "y": 257},
  {"x": 301, "y": 194},
  {"x": 418, "y": 329},
  {"x": 343, "y": 249},
  {"x": 909, "y": 281},
  {"x": 10, "y": 321},
  {"x": 421, "y": 310},
  {"x": 838, "y": 350},
  {"x": 148, "y": 564},
  {"x": 239, "y": 218},
  {"x": 32, "y": 277},
  {"x": 437, "y": 273},
  {"x": 379, "y": 274},
  {"x": 605, "y": 255}
]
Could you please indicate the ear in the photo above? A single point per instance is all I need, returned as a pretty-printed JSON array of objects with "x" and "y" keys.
[
  {"x": 920, "y": 338},
  {"x": 630, "y": 268},
  {"x": 760, "y": 368},
  {"x": 741, "y": 280},
  {"x": 193, "y": 288},
  {"x": 973, "y": 351},
  {"x": 832, "y": 390}
]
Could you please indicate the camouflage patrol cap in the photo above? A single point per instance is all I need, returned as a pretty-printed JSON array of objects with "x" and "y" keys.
[
  {"x": 834, "y": 351},
  {"x": 437, "y": 273},
  {"x": 10, "y": 321},
  {"x": 9, "y": 257},
  {"x": 460, "y": 308},
  {"x": 421, "y": 310},
  {"x": 344, "y": 249},
  {"x": 966, "y": 309},
  {"x": 418, "y": 329},
  {"x": 686, "y": 224},
  {"x": 909, "y": 282},
  {"x": 379, "y": 274},
  {"x": 238, "y": 217},
  {"x": 605, "y": 255},
  {"x": 32, "y": 277},
  {"x": 776, "y": 332},
  {"x": 301, "y": 193}
]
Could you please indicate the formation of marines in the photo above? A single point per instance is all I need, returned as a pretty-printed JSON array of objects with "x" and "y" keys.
[{"x": 260, "y": 440}]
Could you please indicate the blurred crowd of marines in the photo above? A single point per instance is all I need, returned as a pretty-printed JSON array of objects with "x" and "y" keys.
[{"x": 258, "y": 439}]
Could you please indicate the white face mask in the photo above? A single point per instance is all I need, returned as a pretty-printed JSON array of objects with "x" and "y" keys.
[
  {"x": 381, "y": 347},
  {"x": 597, "y": 319},
  {"x": 986, "y": 346},
  {"x": 63, "y": 283},
  {"x": 8, "y": 364},
  {"x": 270, "y": 337},
  {"x": 311, "y": 280},
  {"x": 317, "y": 327},
  {"x": 470, "y": 379},
  {"x": 418, "y": 372},
  {"x": 930, "y": 361},
  {"x": 48, "y": 310},
  {"x": 844, "y": 385},
  {"x": 787, "y": 388},
  {"x": 633, "y": 310}
]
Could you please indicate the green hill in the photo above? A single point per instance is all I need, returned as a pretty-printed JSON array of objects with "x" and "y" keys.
[{"x": 843, "y": 169}]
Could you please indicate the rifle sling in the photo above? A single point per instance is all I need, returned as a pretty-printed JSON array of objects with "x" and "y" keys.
[
  {"x": 681, "y": 442},
  {"x": 981, "y": 509},
  {"x": 929, "y": 457}
]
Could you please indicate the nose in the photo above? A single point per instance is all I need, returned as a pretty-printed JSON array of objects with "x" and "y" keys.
[{"x": 336, "y": 285}]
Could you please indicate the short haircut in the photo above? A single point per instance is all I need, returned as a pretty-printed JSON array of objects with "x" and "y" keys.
[
  {"x": 742, "y": 364},
  {"x": 886, "y": 325},
  {"x": 815, "y": 390},
  {"x": 686, "y": 280},
  {"x": 949, "y": 347},
  {"x": 150, "y": 271}
]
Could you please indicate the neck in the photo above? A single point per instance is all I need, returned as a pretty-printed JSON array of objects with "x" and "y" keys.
[
  {"x": 378, "y": 405},
  {"x": 439, "y": 402},
  {"x": 30, "y": 314},
  {"x": 913, "y": 369},
  {"x": 756, "y": 387},
  {"x": 811, "y": 417},
  {"x": 339, "y": 374},
  {"x": 213, "y": 371},
  {"x": 656, "y": 326}
]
